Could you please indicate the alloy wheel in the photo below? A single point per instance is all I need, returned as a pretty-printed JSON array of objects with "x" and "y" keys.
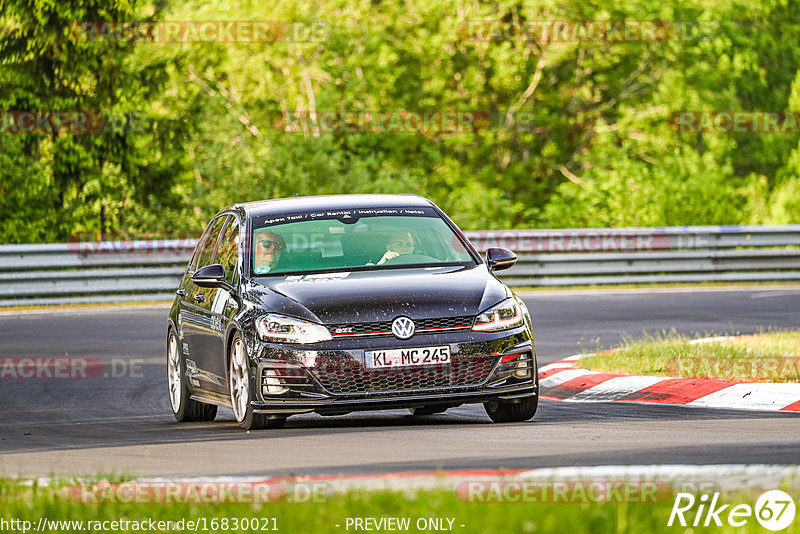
[
  {"x": 240, "y": 392},
  {"x": 174, "y": 374}
]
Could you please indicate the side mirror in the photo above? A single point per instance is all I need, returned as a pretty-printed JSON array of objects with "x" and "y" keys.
[
  {"x": 211, "y": 276},
  {"x": 500, "y": 258}
]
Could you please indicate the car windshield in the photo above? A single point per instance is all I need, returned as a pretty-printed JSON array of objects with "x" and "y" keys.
[{"x": 356, "y": 239}]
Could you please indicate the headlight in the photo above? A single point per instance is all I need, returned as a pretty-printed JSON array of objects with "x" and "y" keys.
[
  {"x": 272, "y": 327},
  {"x": 507, "y": 314}
]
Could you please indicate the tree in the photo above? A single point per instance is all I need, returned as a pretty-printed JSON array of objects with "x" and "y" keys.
[{"x": 49, "y": 65}]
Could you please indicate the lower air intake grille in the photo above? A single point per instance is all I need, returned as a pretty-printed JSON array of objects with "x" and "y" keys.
[{"x": 349, "y": 377}]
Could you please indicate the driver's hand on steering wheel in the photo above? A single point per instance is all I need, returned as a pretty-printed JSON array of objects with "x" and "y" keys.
[
  {"x": 400, "y": 243},
  {"x": 388, "y": 256}
]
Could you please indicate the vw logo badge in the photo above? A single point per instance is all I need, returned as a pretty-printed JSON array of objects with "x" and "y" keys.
[{"x": 403, "y": 328}]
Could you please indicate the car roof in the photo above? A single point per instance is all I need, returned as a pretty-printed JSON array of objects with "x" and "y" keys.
[{"x": 330, "y": 202}]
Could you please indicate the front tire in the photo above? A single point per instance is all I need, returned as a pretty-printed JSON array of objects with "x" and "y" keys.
[
  {"x": 507, "y": 412},
  {"x": 239, "y": 381},
  {"x": 184, "y": 409}
]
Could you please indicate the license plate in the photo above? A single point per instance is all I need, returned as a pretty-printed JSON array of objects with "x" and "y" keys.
[{"x": 379, "y": 359}]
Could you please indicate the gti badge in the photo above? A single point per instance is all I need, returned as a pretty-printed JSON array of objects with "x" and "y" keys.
[{"x": 403, "y": 328}]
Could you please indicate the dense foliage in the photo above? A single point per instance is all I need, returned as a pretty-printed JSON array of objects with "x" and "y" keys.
[{"x": 580, "y": 135}]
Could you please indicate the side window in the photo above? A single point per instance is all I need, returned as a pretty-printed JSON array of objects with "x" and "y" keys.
[
  {"x": 199, "y": 246},
  {"x": 205, "y": 250},
  {"x": 228, "y": 252}
]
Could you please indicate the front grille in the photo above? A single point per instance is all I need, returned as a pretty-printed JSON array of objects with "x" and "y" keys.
[
  {"x": 384, "y": 328},
  {"x": 345, "y": 376}
]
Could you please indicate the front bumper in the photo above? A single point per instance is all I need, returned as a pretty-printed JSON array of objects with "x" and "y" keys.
[
  {"x": 484, "y": 367},
  {"x": 341, "y": 406}
]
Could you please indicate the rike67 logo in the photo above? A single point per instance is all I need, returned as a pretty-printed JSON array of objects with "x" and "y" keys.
[{"x": 774, "y": 510}]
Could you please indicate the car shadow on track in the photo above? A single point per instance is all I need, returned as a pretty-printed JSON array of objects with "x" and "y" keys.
[{"x": 154, "y": 429}]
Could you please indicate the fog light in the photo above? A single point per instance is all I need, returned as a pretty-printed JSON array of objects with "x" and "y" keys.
[
  {"x": 272, "y": 384},
  {"x": 523, "y": 368}
]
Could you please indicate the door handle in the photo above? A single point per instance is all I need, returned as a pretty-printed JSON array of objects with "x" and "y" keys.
[
  {"x": 199, "y": 298},
  {"x": 181, "y": 292}
]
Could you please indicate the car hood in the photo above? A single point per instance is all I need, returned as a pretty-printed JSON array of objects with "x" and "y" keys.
[{"x": 369, "y": 296}]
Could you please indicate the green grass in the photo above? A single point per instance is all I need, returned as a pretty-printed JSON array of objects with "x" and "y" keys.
[
  {"x": 30, "y": 503},
  {"x": 764, "y": 357}
]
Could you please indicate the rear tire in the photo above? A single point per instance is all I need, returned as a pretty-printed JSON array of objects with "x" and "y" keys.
[
  {"x": 507, "y": 412},
  {"x": 239, "y": 382},
  {"x": 184, "y": 409}
]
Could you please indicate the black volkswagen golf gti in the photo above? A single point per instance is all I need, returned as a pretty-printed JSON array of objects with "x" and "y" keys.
[{"x": 332, "y": 304}]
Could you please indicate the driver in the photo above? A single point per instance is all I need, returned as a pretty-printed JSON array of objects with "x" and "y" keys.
[
  {"x": 267, "y": 251},
  {"x": 400, "y": 243}
]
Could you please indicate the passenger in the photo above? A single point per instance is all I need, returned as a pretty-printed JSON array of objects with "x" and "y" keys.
[
  {"x": 400, "y": 243},
  {"x": 267, "y": 251}
]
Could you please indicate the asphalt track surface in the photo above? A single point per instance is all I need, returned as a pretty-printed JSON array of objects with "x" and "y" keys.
[{"x": 123, "y": 424}]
